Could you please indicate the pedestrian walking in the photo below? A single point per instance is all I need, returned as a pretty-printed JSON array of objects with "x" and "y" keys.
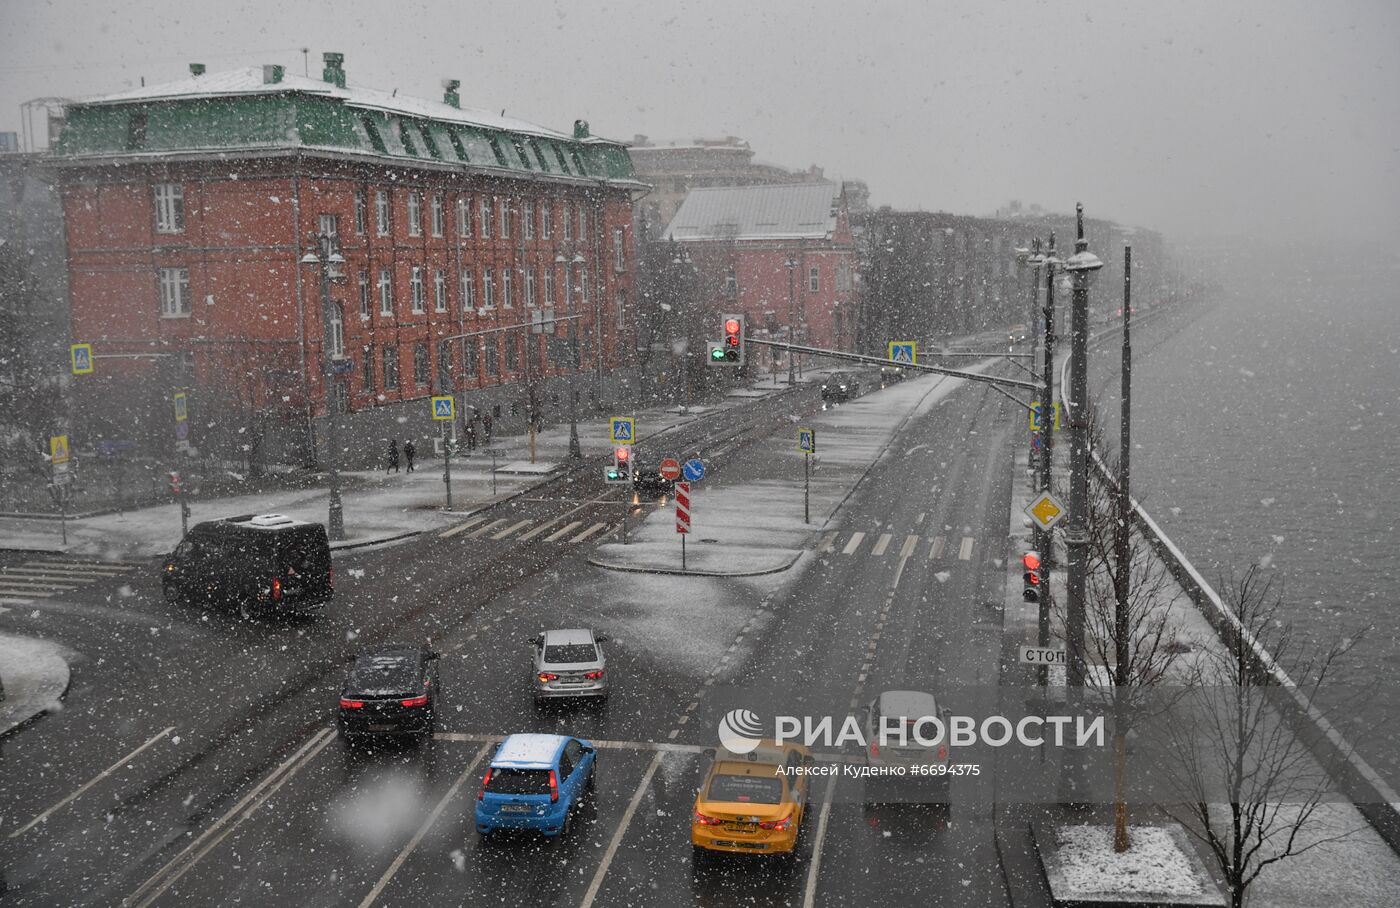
[
  {"x": 470, "y": 431},
  {"x": 486, "y": 427},
  {"x": 409, "y": 451},
  {"x": 393, "y": 457}
]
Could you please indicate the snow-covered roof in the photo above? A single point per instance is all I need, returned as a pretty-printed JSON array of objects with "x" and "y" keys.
[
  {"x": 529, "y": 751},
  {"x": 250, "y": 81},
  {"x": 793, "y": 211},
  {"x": 568, "y": 636}
]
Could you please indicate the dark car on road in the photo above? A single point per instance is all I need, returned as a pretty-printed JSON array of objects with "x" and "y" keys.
[
  {"x": 646, "y": 477},
  {"x": 262, "y": 565},
  {"x": 391, "y": 689},
  {"x": 840, "y": 387}
]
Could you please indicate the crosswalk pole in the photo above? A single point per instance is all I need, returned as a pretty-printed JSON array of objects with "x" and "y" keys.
[{"x": 806, "y": 488}]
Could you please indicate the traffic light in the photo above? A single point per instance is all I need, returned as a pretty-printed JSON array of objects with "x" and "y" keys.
[
  {"x": 730, "y": 350},
  {"x": 621, "y": 470},
  {"x": 176, "y": 485},
  {"x": 1033, "y": 578}
]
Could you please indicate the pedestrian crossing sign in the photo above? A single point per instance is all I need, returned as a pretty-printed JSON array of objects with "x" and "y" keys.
[
  {"x": 444, "y": 408},
  {"x": 58, "y": 449},
  {"x": 904, "y": 352},
  {"x": 807, "y": 441},
  {"x": 1035, "y": 416},
  {"x": 82, "y": 358},
  {"x": 182, "y": 406},
  {"x": 623, "y": 431}
]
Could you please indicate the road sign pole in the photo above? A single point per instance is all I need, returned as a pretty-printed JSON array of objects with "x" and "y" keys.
[
  {"x": 682, "y": 551},
  {"x": 493, "y": 472},
  {"x": 446, "y": 466},
  {"x": 806, "y": 488}
]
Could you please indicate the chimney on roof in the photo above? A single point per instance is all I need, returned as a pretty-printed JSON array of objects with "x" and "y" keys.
[
  {"x": 334, "y": 73},
  {"x": 196, "y": 69},
  {"x": 272, "y": 73},
  {"x": 580, "y": 129},
  {"x": 450, "y": 97}
]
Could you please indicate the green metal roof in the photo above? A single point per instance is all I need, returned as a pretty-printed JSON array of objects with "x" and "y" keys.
[{"x": 242, "y": 111}]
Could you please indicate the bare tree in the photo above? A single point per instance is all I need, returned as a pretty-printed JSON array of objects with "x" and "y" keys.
[{"x": 1234, "y": 742}]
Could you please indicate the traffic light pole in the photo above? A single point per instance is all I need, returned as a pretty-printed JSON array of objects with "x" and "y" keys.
[{"x": 447, "y": 465}]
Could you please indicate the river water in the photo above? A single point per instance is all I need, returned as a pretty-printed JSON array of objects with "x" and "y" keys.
[{"x": 1267, "y": 430}]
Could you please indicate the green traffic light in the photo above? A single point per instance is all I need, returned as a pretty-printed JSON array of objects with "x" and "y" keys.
[{"x": 717, "y": 354}]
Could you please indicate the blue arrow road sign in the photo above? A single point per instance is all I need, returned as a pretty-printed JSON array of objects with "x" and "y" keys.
[{"x": 694, "y": 470}]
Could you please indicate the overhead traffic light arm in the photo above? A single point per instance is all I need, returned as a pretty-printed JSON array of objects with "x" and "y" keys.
[{"x": 994, "y": 380}]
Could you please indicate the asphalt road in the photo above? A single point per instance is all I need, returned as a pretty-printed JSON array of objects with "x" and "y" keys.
[{"x": 195, "y": 763}]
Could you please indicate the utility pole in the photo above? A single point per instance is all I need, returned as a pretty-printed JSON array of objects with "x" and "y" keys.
[
  {"x": 327, "y": 257},
  {"x": 1120, "y": 550},
  {"x": 792, "y": 269},
  {"x": 1045, "y": 539}
]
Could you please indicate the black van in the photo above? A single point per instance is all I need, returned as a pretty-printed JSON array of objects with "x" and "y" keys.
[{"x": 265, "y": 564}]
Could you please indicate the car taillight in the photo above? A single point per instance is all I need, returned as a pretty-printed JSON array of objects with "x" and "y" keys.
[
  {"x": 276, "y": 588},
  {"x": 594, "y": 676},
  {"x": 346, "y": 703},
  {"x": 704, "y": 820},
  {"x": 481, "y": 795},
  {"x": 547, "y": 676},
  {"x": 553, "y": 784},
  {"x": 784, "y": 823},
  {"x": 420, "y": 700}
]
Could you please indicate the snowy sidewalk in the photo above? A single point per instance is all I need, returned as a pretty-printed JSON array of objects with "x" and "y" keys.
[{"x": 34, "y": 675}]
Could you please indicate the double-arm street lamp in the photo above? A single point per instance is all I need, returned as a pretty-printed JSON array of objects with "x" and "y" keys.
[
  {"x": 575, "y": 451},
  {"x": 330, "y": 261}
]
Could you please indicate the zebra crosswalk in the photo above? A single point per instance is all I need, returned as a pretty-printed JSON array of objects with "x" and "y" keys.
[
  {"x": 954, "y": 547},
  {"x": 504, "y": 528},
  {"x": 31, "y": 581}
]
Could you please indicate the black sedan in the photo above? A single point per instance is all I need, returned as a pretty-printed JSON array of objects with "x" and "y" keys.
[
  {"x": 390, "y": 690},
  {"x": 647, "y": 478},
  {"x": 840, "y": 387}
]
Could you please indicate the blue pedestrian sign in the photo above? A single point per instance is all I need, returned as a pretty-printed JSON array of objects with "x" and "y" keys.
[
  {"x": 904, "y": 352},
  {"x": 82, "y": 358},
  {"x": 444, "y": 408},
  {"x": 694, "y": 470},
  {"x": 623, "y": 432},
  {"x": 807, "y": 441}
]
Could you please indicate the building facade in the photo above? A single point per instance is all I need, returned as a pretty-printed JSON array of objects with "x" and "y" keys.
[{"x": 190, "y": 209}]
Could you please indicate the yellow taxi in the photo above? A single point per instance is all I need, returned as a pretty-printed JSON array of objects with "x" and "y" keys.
[{"x": 752, "y": 802}]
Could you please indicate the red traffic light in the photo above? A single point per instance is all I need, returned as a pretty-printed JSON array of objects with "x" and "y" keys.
[
  {"x": 1031, "y": 560},
  {"x": 731, "y": 327},
  {"x": 732, "y": 340},
  {"x": 623, "y": 453}
]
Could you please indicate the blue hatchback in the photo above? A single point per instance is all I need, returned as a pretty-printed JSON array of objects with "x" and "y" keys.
[{"x": 535, "y": 782}]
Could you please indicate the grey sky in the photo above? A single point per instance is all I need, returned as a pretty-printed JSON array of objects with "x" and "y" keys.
[{"x": 1193, "y": 117}]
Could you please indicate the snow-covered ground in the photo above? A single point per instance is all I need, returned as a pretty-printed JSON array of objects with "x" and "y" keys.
[{"x": 1155, "y": 864}]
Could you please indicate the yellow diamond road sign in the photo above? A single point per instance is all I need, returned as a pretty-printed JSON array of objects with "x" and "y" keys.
[{"x": 1046, "y": 510}]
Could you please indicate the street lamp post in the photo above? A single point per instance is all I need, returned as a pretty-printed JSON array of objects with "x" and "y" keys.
[
  {"x": 328, "y": 259},
  {"x": 681, "y": 259},
  {"x": 1081, "y": 267},
  {"x": 575, "y": 451},
  {"x": 792, "y": 274}
]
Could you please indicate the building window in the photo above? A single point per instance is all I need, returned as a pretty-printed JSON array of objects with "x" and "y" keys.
[
  {"x": 506, "y": 275},
  {"x": 329, "y": 225},
  {"x": 174, "y": 292},
  {"x": 467, "y": 290},
  {"x": 485, "y": 216},
  {"x": 530, "y": 287},
  {"x": 415, "y": 214},
  {"x": 731, "y": 282},
  {"x": 386, "y": 292},
  {"x": 444, "y": 366},
  {"x": 170, "y": 208},
  {"x": 437, "y": 214},
  {"x": 582, "y": 223},
  {"x": 391, "y": 368},
  {"x": 814, "y": 280},
  {"x": 367, "y": 369},
  {"x": 621, "y": 303},
  {"x": 415, "y": 288},
  {"x": 364, "y": 294},
  {"x": 546, "y": 220},
  {"x": 440, "y": 290},
  {"x": 568, "y": 222},
  {"x": 493, "y": 357},
  {"x": 583, "y": 285},
  {"x": 619, "y": 252},
  {"x": 512, "y": 354},
  {"x": 464, "y": 216},
  {"x": 488, "y": 288},
  {"x": 549, "y": 286},
  {"x": 420, "y": 364},
  {"x": 337, "y": 325},
  {"x": 505, "y": 218},
  {"x": 528, "y": 215},
  {"x": 381, "y": 212},
  {"x": 361, "y": 212},
  {"x": 473, "y": 358}
]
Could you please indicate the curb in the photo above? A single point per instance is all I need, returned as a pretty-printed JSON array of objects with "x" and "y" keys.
[
  {"x": 342, "y": 546},
  {"x": 11, "y": 726},
  {"x": 687, "y": 573}
]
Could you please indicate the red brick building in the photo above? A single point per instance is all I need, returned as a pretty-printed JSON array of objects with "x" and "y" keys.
[
  {"x": 784, "y": 256},
  {"x": 189, "y": 207}
]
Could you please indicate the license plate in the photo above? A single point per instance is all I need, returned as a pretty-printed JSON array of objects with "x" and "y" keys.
[
  {"x": 383, "y": 727},
  {"x": 739, "y": 827},
  {"x": 515, "y": 808}
]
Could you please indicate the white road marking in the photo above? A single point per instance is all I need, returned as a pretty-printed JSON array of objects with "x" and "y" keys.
[
  {"x": 91, "y": 782},
  {"x": 568, "y": 528},
  {"x": 22, "y": 583},
  {"x": 591, "y": 531},
  {"x": 460, "y": 528},
  {"x": 809, "y": 895},
  {"x": 511, "y": 529},
  {"x": 965, "y": 550},
  {"x": 631, "y": 811},
  {"x": 539, "y": 529},
  {"x": 882, "y": 544},
  {"x": 935, "y": 549},
  {"x": 488, "y": 528},
  {"x": 252, "y": 801},
  {"x": 908, "y": 548},
  {"x": 423, "y": 830},
  {"x": 31, "y": 593},
  {"x": 853, "y": 544}
]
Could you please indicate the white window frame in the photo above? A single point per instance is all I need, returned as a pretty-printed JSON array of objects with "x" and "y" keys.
[
  {"x": 549, "y": 286},
  {"x": 528, "y": 220},
  {"x": 529, "y": 288},
  {"x": 415, "y": 289},
  {"x": 466, "y": 286},
  {"x": 337, "y": 332},
  {"x": 583, "y": 284},
  {"x": 488, "y": 288},
  {"x": 386, "y": 291},
  {"x": 464, "y": 216},
  {"x": 731, "y": 282},
  {"x": 814, "y": 279},
  {"x": 568, "y": 221},
  {"x": 328, "y": 225},
  {"x": 383, "y": 225},
  {"x": 364, "y": 293},
  {"x": 415, "y": 213},
  {"x": 439, "y": 290},
  {"x": 620, "y": 300},
  {"x": 505, "y": 218},
  {"x": 619, "y": 256},
  {"x": 486, "y": 218},
  {"x": 582, "y": 223},
  {"x": 174, "y": 285},
  {"x": 361, "y": 212},
  {"x": 437, "y": 214},
  {"x": 546, "y": 220},
  {"x": 169, "y": 200},
  {"x": 507, "y": 280}
]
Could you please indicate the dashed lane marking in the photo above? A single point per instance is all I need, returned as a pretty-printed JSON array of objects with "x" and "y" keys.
[
  {"x": 591, "y": 531},
  {"x": 567, "y": 529},
  {"x": 965, "y": 550},
  {"x": 908, "y": 548},
  {"x": 488, "y": 528},
  {"x": 853, "y": 544},
  {"x": 935, "y": 549},
  {"x": 882, "y": 544},
  {"x": 511, "y": 529}
]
